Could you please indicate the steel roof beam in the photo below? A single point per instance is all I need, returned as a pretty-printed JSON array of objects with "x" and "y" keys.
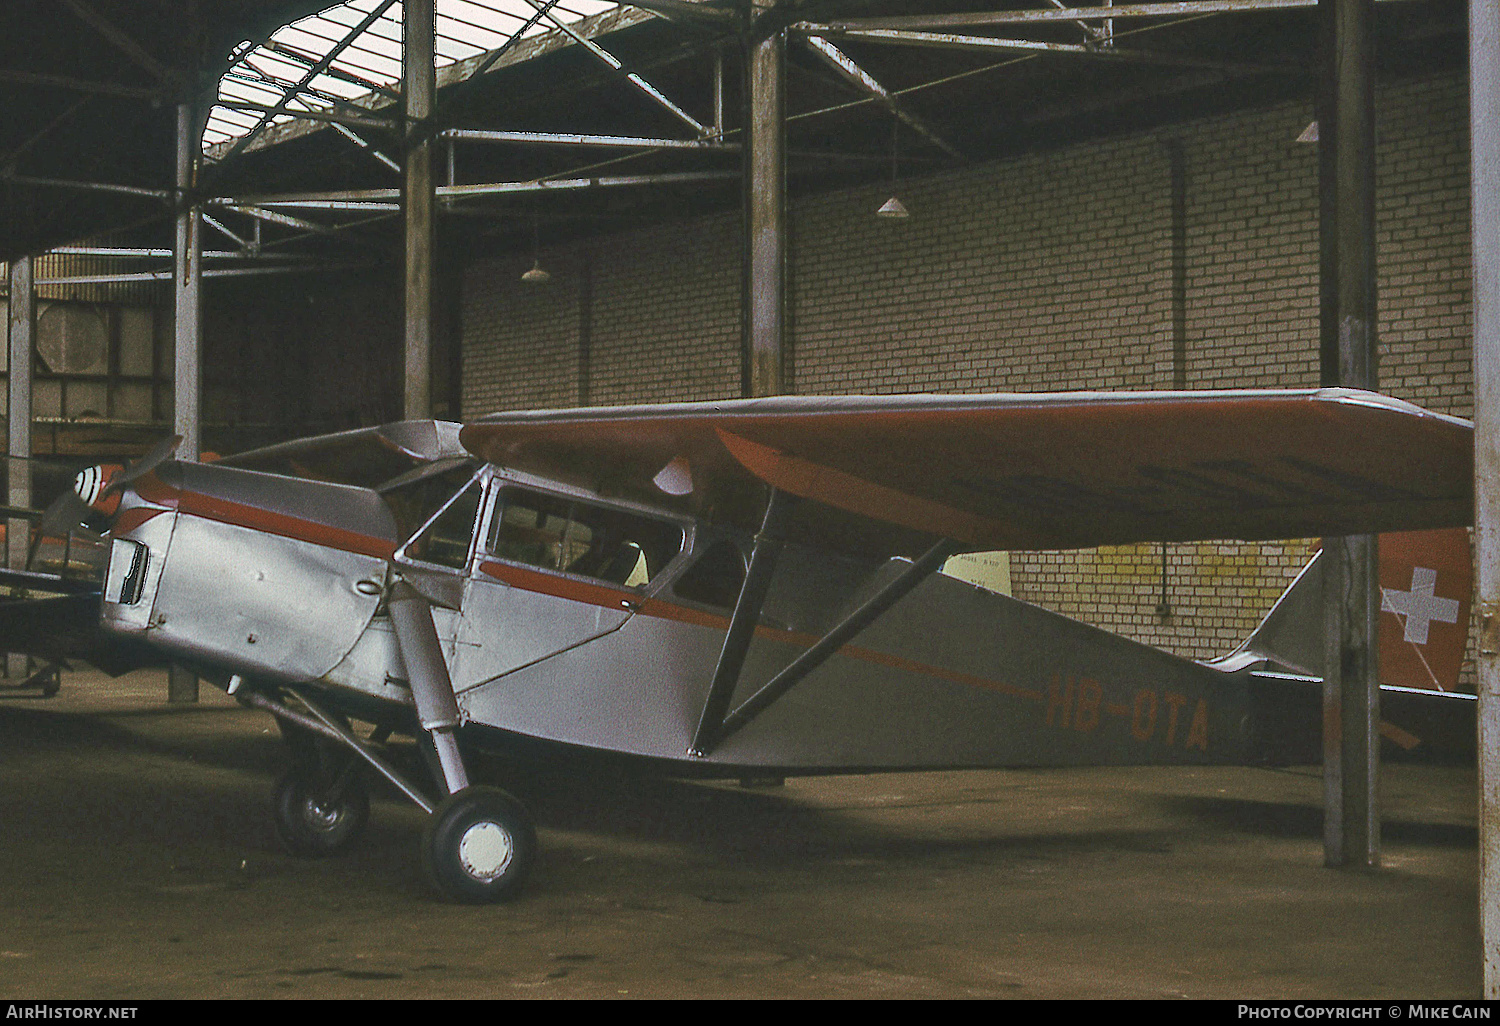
[
  {"x": 221, "y": 272},
  {"x": 273, "y": 217},
  {"x": 356, "y": 120},
  {"x": 862, "y": 80},
  {"x": 65, "y": 183},
  {"x": 367, "y": 146},
  {"x": 992, "y": 44},
  {"x": 630, "y": 76},
  {"x": 461, "y": 77},
  {"x": 576, "y": 139},
  {"x": 218, "y": 226},
  {"x": 137, "y": 53},
  {"x": 387, "y": 199},
  {"x": 563, "y": 184},
  {"x": 291, "y": 53},
  {"x": 1191, "y": 8},
  {"x": 685, "y": 9},
  {"x": 155, "y": 253},
  {"x": 265, "y": 79},
  {"x": 79, "y": 85}
]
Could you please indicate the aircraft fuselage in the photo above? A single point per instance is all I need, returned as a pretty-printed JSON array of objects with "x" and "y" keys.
[{"x": 571, "y": 619}]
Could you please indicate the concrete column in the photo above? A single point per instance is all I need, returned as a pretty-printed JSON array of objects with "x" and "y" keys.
[
  {"x": 1351, "y": 679},
  {"x": 1484, "y": 113},
  {"x": 419, "y": 87},
  {"x": 187, "y": 282},
  {"x": 763, "y": 346},
  {"x": 22, "y": 342}
]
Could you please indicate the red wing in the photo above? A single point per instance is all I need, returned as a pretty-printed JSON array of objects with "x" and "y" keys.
[{"x": 1031, "y": 471}]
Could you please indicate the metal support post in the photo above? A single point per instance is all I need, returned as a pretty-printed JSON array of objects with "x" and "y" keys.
[
  {"x": 187, "y": 281},
  {"x": 763, "y": 355},
  {"x": 718, "y": 132},
  {"x": 1484, "y": 113},
  {"x": 1351, "y": 678},
  {"x": 419, "y": 87},
  {"x": 22, "y": 342}
]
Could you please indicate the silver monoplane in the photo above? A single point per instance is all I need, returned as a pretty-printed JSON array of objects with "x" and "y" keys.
[{"x": 750, "y": 587}]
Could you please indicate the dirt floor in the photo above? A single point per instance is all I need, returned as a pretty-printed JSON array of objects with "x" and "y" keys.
[{"x": 138, "y": 860}]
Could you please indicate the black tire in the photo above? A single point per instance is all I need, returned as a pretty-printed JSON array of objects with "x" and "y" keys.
[
  {"x": 311, "y": 826},
  {"x": 478, "y": 845}
]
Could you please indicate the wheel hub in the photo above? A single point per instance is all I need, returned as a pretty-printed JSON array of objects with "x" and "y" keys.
[
  {"x": 485, "y": 850},
  {"x": 322, "y": 815}
]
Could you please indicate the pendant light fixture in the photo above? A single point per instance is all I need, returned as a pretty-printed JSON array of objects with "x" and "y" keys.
[
  {"x": 536, "y": 276},
  {"x": 893, "y": 207}
]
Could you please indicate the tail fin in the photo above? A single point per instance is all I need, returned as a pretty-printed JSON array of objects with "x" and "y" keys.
[{"x": 1426, "y": 585}]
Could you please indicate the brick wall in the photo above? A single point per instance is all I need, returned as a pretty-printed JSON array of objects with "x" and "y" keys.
[{"x": 1048, "y": 272}]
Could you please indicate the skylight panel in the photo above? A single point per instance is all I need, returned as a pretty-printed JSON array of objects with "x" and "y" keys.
[
  {"x": 270, "y": 74},
  {"x": 454, "y": 49}
]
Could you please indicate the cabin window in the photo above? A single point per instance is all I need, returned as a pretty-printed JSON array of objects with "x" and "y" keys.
[
  {"x": 715, "y": 577},
  {"x": 557, "y": 533},
  {"x": 413, "y": 498},
  {"x": 446, "y": 540},
  {"x": 453, "y": 495}
]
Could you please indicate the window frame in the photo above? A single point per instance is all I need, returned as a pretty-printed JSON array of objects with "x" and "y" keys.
[
  {"x": 404, "y": 558},
  {"x": 499, "y": 483}
]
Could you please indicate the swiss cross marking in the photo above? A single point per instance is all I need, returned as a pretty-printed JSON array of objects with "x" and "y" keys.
[{"x": 1420, "y": 606}]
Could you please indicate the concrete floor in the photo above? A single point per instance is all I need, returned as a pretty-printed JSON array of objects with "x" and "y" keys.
[{"x": 138, "y": 860}]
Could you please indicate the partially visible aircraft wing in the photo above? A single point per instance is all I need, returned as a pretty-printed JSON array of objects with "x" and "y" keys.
[
  {"x": 1027, "y": 471},
  {"x": 56, "y": 618},
  {"x": 367, "y": 457}
]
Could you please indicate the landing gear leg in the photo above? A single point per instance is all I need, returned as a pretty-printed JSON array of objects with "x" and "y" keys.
[{"x": 479, "y": 842}]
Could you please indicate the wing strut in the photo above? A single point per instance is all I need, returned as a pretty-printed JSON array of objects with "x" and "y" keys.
[
  {"x": 714, "y": 727},
  {"x": 840, "y": 634},
  {"x": 742, "y": 623}
]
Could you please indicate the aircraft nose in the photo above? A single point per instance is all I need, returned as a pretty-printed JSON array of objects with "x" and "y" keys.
[{"x": 90, "y": 484}]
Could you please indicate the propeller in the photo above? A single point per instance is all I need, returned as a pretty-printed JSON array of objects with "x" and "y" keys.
[{"x": 68, "y": 510}]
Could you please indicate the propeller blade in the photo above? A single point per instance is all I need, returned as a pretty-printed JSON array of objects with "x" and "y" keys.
[
  {"x": 65, "y": 514},
  {"x": 159, "y": 454}
]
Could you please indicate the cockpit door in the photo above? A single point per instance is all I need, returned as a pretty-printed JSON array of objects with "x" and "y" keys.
[{"x": 551, "y": 573}]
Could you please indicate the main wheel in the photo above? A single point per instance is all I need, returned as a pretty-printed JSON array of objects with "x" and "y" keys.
[
  {"x": 478, "y": 845},
  {"x": 312, "y": 824}
]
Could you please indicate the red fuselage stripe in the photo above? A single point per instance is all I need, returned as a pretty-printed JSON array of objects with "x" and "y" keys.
[
  {"x": 593, "y": 594},
  {"x": 225, "y": 511}
]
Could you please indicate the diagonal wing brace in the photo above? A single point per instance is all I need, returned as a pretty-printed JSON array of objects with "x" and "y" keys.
[
  {"x": 753, "y": 592},
  {"x": 714, "y": 726}
]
